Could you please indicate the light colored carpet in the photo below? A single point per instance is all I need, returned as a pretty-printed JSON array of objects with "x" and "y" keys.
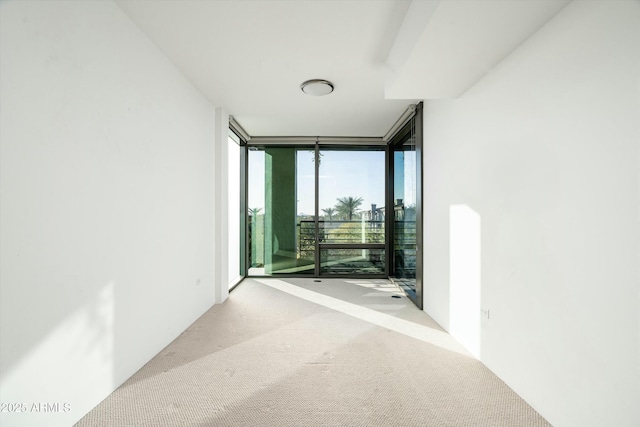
[{"x": 296, "y": 352}]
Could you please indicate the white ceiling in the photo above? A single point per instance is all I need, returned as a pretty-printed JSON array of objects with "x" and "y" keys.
[
  {"x": 250, "y": 56},
  {"x": 445, "y": 47}
]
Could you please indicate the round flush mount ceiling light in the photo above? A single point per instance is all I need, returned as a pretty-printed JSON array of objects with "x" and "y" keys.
[{"x": 317, "y": 87}]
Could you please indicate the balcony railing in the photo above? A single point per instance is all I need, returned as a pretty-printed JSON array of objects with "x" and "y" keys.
[{"x": 347, "y": 246}]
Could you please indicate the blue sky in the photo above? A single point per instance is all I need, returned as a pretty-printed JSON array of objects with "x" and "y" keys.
[{"x": 342, "y": 173}]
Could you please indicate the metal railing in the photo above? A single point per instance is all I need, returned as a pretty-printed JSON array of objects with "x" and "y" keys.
[{"x": 339, "y": 238}]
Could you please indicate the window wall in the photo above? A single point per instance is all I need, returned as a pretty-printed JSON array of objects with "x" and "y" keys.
[
  {"x": 336, "y": 207},
  {"x": 316, "y": 210}
]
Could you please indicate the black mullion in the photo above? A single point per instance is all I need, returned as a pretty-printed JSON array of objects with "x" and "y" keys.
[{"x": 317, "y": 210}]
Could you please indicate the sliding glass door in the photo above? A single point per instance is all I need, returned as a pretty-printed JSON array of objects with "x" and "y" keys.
[
  {"x": 316, "y": 210},
  {"x": 351, "y": 195}
]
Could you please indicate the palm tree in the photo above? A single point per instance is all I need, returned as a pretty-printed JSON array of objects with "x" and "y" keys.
[
  {"x": 313, "y": 159},
  {"x": 329, "y": 212},
  {"x": 254, "y": 212},
  {"x": 348, "y": 206}
]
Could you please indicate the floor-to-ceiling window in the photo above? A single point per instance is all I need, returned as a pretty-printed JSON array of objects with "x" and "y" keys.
[
  {"x": 280, "y": 205},
  {"x": 351, "y": 201},
  {"x": 316, "y": 210},
  {"x": 405, "y": 224}
]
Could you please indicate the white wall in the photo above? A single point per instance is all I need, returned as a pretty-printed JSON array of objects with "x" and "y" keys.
[
  {"x": 106, "y": 205},
  {"x": 544, "y": 154},
  {"x": 221, "y": 206}
]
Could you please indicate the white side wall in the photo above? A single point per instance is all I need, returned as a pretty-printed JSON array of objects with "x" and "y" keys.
[
  {"x": 106, "y": 212},
  {"x": 541, "y": 160},
  {"x": 221, "y": 206}
]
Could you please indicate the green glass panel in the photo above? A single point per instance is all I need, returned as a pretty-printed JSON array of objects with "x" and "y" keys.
[{"x": 281, "y": 241}]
